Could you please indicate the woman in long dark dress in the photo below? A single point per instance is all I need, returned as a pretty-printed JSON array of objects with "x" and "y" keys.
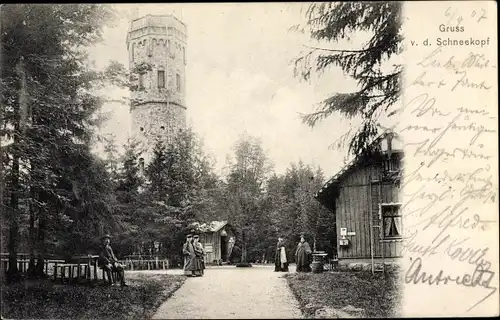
[
  {"x": 302, "y": 255},
  {"x": 200, "y": 254},
  {"x": 281, "y": 258},
  {"x": 191, "y": 268}
]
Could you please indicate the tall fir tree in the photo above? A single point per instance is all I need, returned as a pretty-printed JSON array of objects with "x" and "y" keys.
[{"x": 48, "y": 110}]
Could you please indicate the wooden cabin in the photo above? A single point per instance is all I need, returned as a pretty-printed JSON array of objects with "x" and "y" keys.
[
  {"x": 218, "y": 240},
  {"x": 364, "y": 197}
]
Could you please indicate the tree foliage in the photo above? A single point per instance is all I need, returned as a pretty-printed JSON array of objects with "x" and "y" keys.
[
  {"x": 378, "y": 88},
  {"x": 293, "y": 209},
  {"x": 245, "y": 189}
]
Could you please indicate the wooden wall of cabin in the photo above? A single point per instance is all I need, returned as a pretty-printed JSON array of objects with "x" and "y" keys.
[
  {"x": 353, "y": 212},
  {"x": 212, "y": 238}
]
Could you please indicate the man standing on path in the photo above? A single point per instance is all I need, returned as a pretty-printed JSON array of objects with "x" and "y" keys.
[{"x": 109, "y": 263}]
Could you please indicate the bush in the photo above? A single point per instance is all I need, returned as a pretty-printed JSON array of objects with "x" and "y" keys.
[{"x": 243, "y": 265}]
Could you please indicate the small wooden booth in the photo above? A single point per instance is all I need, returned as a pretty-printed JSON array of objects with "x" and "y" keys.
[
  {"x": 364, "y": 197},
  {"x": 217, "y": 237}
]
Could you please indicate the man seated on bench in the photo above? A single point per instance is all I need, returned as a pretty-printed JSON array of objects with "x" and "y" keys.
[{"x": 109, "y": 263}]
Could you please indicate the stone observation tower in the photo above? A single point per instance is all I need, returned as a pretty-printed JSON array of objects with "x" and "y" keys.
[{"x": 158, "y": 108}]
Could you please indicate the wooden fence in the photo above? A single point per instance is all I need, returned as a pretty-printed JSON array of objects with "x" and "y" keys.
[
  {"x": 82, "y": 268},
  {"x": 146, "y": 264},
  {"x": 23, "y": 264}
]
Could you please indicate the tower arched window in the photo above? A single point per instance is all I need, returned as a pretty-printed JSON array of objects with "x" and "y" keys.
[
  {"x": 149, "y": 48},
  {"x": 178, "y": 82},
  {"x": 141, "y": 81},
  {"x": 161, "y": 79}
]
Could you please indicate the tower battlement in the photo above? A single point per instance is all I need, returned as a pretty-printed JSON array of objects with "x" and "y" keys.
[
  {"x": 157, "y": 24},
  {"x": 158, "y": 107}
]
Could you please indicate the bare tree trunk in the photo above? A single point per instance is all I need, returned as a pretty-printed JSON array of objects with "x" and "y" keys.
[
  {"x": 243, "y": 247},
  {"x": 20, "y": 111},
  {"x": 32, "y": 239},
  {"x": 13, "y": 271},
  {"x": 39, "y": 270},
  {"x": 2, "y": 186}
]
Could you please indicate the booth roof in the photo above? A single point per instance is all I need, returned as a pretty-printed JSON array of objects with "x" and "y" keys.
[{"x": 213, "y": 226}]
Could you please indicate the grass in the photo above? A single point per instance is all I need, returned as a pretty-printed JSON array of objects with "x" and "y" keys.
[
  {"x": 376, "y": 295},
  {"x": 44, "y": 299}
]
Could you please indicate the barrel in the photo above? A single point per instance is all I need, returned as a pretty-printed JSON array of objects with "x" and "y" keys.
[{"x": 317, "y": 267}]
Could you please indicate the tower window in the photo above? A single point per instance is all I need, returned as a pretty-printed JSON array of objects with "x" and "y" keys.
[
  {"x": 162, "y": 127},
  {"x": 142, "y": 129},
  {"x": 132, "y": 51},
  {"x": 161, "y": 79},
  {"x": 178, "y": 81},
  {"x": 141, "y": 163},
  {"x": 149, "y": 48},
  {"x": 141, "y": 81},
  {"x": 184, "y": 54}
]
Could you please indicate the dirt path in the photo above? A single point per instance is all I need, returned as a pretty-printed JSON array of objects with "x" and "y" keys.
[{"x": 256, "y": 292}]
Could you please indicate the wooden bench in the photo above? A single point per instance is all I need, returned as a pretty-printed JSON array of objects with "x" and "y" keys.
[
  {"x": 79, "y": 266},
  {"x": 114, "y": 276}
]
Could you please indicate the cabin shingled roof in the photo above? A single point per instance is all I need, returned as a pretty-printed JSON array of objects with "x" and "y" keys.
[
  {"x": 335, "y": 179},
  {"x": 213, "y": 226}
]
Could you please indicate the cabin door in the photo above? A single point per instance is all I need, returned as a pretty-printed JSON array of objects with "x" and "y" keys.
[{"x": 223, "y": 248}]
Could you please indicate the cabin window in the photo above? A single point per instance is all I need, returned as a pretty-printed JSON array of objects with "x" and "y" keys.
[
  {"x": 161, "y": 79},
  {"x": 392, "y": 221}
]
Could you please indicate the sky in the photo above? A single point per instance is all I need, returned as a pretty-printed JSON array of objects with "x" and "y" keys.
[{"x": 239, "y": 79}]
